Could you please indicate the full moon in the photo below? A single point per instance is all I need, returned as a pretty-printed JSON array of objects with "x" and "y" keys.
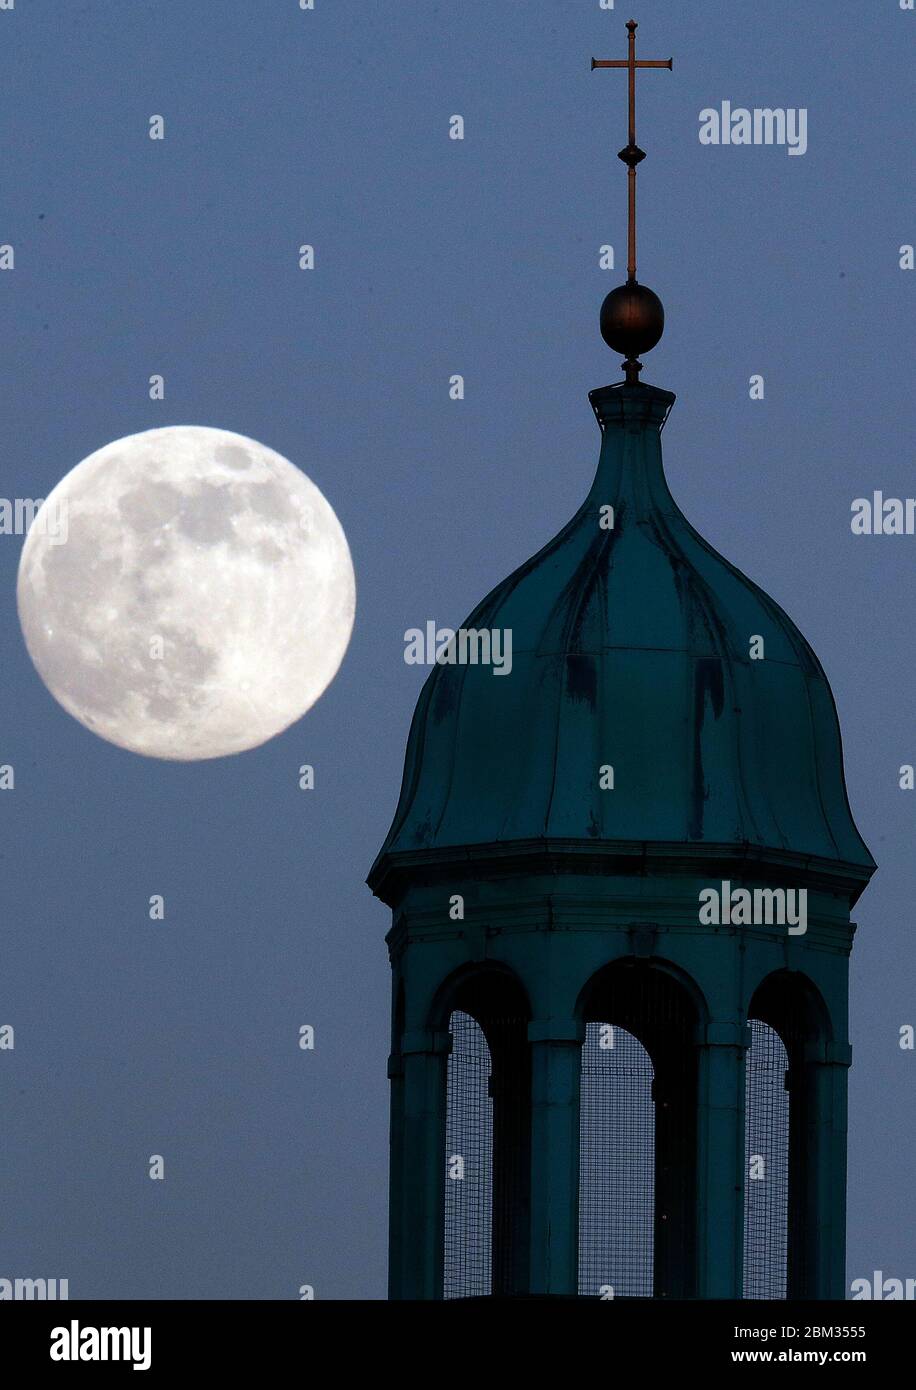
[{"x": 186, "y": 593}]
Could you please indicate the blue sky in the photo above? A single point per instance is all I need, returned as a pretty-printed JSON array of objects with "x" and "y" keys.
[{"x": 432, "y": 257}]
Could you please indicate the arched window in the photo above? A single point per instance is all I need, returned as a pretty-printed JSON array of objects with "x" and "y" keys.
[
  {"x": 766, "y": 1164},
  {"x": 637, "y": 1135},
  {"x": 487, "y": 1157},
  {"x": 468, "y": 1162},
  {"x": 616, "y": 1165}
]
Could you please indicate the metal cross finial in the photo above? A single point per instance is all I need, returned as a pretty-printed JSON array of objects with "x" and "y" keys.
[{"x": 632, "y": 154}]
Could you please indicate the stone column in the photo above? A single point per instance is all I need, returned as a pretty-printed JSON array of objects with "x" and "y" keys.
[
  {"x": 556, "y": 1060},
  {"x": 720, "y": 1170},
  {"x": 418, "y": 1166},
  {"x": 817, "y": 1142}
]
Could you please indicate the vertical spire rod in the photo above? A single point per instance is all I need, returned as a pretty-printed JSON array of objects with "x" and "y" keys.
[
  {"x": 631, "y": 171},
  {"x": 632, "y": 154},
  {"x": 631, "y": 64}
]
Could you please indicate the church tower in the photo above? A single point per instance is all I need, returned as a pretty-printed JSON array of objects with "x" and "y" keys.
[{"x": 621, "y": 879}]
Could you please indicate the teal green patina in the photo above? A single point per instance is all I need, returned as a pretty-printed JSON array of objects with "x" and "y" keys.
[
  {"x": 665, "y": 730},
  {"x": 630, "y": 649}
]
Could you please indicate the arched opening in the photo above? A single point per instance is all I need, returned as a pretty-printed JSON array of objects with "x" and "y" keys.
[
  {"x": 616, "y": 1165},
  {"x": 788, "y": 1017},
  {"x": 637, "y": 1134},
  {"x": 487, "y": 1139},
  {"x": 468, "y": 1162},
  {"x": 766, "y": 1164}
]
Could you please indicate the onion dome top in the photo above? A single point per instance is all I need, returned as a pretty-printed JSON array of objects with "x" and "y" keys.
[{"x": 630, "y": 650}]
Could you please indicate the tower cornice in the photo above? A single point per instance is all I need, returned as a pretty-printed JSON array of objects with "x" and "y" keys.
[{"x": 393, "y": 872}]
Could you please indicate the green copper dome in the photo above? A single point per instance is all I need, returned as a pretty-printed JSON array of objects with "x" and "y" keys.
[{"x": 631, "y": 650}]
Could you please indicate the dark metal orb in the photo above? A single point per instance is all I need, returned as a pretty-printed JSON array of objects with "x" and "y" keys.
[{"x": 632, "y": 319}]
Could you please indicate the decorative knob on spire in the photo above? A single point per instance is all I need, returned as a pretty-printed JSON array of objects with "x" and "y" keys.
[{"x": 632, "y": 316}]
